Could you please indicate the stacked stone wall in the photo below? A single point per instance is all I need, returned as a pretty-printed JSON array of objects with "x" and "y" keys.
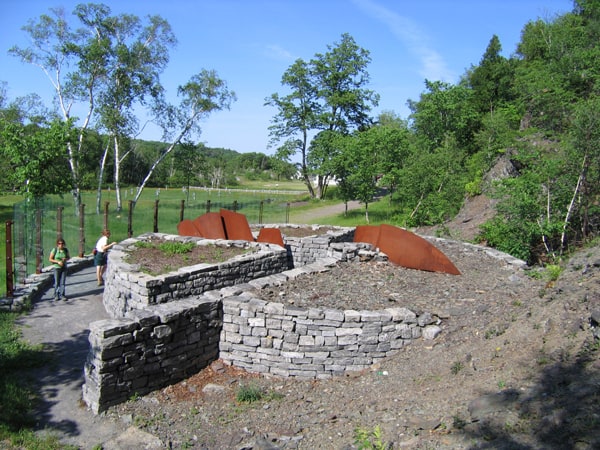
[
  {"x": 149, "y": 350},
  {"x": 280, "y": 340},
  {"x": 153, "y": 344},
  {"x": 128, "y": 289},
  {"x": 162, "y": 344},
  {"x": 309, "y": 249}
]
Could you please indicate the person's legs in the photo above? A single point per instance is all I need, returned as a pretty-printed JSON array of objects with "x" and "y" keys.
[
  {"x": 56, "y": 283},
  {"x": 63, "y": 284}
]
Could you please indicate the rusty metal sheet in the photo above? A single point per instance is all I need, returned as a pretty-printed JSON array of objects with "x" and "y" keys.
[
  {"x": 270, "y": 236},
  {"x": 211, "y": 225},
  {"x": 187, "y": 228},
  {"x": 409, "y": 250},
  {"x": 236, "y": 226},
  {"x": 367, "y": 233}
]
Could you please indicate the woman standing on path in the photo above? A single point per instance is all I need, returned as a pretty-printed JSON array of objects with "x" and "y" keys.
[
  {"x": 59, "y": 256},
  {"x": 100, "y": 258}
]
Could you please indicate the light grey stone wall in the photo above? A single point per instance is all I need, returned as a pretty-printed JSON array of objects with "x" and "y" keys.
[
  {"x": 150, "y": 349},
  {"x": 309, "y": 249},
  {"x": 159, "y": 345},
  {"x": 127, "y": 289},
  {"x": 286, "y": 341}
]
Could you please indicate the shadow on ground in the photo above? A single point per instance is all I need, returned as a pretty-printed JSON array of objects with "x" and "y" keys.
[{"x": 561, "y": 411}]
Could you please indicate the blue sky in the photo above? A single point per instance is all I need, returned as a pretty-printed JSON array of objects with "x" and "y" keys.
[{"x": 250, "y": 43}]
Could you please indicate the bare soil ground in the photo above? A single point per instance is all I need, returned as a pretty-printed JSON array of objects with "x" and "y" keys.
[{"x": 515, "y": 367}]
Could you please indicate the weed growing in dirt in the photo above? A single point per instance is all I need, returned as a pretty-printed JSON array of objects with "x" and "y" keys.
[
  {"x": 169, "y": 248},
  {"x": 457, "y": 367},
  {"x": 369, "y": 439},
  {"x": 553, "y": 271},
  {"x": 249, "y": 394},
  {"x": 252, "y": 393}
]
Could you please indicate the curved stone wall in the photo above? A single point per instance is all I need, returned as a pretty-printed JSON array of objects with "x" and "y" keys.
[{"x": 156, "y": 340}]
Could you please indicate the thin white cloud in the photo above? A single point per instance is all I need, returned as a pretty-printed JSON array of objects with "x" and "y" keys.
[
  {"x": 433, "y": 67},
  {"x": 278, "y": 53}
]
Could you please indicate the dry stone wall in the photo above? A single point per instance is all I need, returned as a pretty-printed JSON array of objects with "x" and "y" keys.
[
  {"x": 161, "y": 338},
  {"x": 160, "y": 344},
  {"x": 151, "y": 349},
  {"x": 128, "y": 289},
  {"x": 307, "y": 250},
  {"x": 276, "y": 339}
]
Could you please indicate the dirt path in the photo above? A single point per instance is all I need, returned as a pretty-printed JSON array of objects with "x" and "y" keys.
[{"x": 313, "y": 216}]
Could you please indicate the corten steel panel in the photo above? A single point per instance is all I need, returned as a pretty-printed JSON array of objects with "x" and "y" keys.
[
  {"x": 409, "y": 250},
  {"x": 367, "y": 233},
  {"x": 211, "y": 225},
  {"x": 270, "y": 236},
  {"x": 187, "y": 228},
  {"x": 236, "y": 226}
]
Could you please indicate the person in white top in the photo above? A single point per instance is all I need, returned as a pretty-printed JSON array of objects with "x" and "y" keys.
[{"x": 100, "y": 258}]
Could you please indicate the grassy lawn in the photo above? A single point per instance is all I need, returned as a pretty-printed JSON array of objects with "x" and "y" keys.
[{"x": 379, "y": 212}]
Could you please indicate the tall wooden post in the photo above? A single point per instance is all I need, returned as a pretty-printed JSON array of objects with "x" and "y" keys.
[
  {"x": 81, "y": 231},
  {"x": 39, "y": 251},
  {"x": 9, "y": 261},
  {"x": 59, "y": 222},
  {"x": 130, "y": 220},
  {"x": 155, "y": 216}
]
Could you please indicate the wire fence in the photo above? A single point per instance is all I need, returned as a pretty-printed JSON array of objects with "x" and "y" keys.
[{"x": 36, "y": 226}]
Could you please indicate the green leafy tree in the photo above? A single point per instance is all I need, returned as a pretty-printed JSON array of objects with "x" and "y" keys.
[
  {"x": 327, "y": 94},
  {"x": 491, "y": 80},
  {"x": 133, "y": 54},
  {"x": 584, "y": 159},
  {"x": 432, "y": 184},
  {"x": 35, "y": 158},
  {"x": 442, "y": 111},
  {"x": 296, "y": 116},
  {"x": 364, "y": 158},
  {"x": 51, "y": 37},
  {"x": 187, "y": 161},
  {"x": 203, "y": 94}
]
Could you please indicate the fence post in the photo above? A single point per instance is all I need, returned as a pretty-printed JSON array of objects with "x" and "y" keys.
[
  {"x": 9, "y": 262},
  {"x": 235, "y": 206},
  {"x": 105, "y": 227},
  {"x": 181, "y": 210},
  {"x": 81, "y": 231},
  {"x": 59, "y": 222},
  {"x": 39, "y": 251},
  {"x": 207, "y": 206},
  {"x": 260, "y": 212},
  {"x": 155, "y": 216},
  {"x": 130, "y": 220}
]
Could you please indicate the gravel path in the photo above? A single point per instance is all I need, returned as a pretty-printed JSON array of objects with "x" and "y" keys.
[{"x": 312, "y": 216}]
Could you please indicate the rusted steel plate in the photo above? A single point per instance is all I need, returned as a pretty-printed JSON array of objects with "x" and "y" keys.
[
  {"x": 270, "y": 236},
  {"x": 409, "y": 250},
  {"x": 367, "y": 233},
  {"x": 187, "y": 228},
  {"x": 236, "y": 226},
  {"x": 211, "y": 225}
]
